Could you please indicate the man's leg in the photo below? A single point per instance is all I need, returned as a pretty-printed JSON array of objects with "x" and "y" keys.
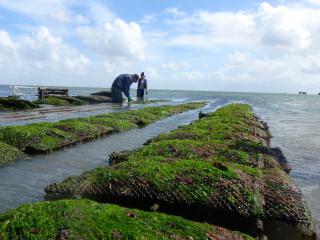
[
  {"x": 116, "y": 95},
  {"x": 140, "y": 93}
]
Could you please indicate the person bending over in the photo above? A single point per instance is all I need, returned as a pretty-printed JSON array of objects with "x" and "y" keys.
[
  {"x": 142, "y": 86},
  {"x": 122, "y": 84}
]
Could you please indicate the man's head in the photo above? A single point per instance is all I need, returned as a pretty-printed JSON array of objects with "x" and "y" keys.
[
  {"x": 142, "y": 75},
  {"x": 135, "y": 77}
]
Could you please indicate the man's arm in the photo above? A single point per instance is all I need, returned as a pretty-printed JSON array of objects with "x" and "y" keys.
[{"x": 126, "y": 86}]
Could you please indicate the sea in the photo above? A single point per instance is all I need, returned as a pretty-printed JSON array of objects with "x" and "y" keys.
[{"x": 294, "y": 122}]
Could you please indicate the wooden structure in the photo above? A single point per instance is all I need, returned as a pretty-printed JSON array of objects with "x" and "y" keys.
[{"x": 46, "y": 92}]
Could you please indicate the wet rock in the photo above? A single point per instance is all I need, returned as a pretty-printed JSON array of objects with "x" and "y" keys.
[
  {"x": 61, "y": 101},
  {"x": 95, "y": 99},
  {"x": 63, "y": 234},
  {"x": 103, "y": 93},
  {"x": 203, "y": 115},
  {"x": 14, "y": 103}
]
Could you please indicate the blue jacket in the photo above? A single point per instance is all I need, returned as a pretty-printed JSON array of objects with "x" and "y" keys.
[
  {"x": 144, "y": 85},
  {"x": 123, "y": 82}
]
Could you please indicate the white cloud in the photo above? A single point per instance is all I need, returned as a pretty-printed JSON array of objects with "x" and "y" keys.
[
  {"x": 48, "y": 10},
  {"x": 7, "y": 51},
  {"x": 207, "y": 30},
  {"x": 175, "y": 12},
  {"x": 314, "y": 2},
  {"x": 175, "y": 65},
  {"x": 244, "y": 72},
  {"x": 148, "y": 19},
  {"x": 99, "y": 12},
  {"x": 116, "y": 39},
  {"x": 42, "y": 52},
  {"x": 268, "y": 48},
  {"x": 5, "y": 40},
  {"x": 289, "y": 28}
]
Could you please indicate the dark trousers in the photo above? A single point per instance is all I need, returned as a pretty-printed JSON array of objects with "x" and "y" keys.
[
  {"x": 140, "y": 93},
  {"x": 116, "y": 95}
]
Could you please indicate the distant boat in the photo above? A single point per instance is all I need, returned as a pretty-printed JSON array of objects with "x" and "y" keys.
[{"x": 303, "y": 93}]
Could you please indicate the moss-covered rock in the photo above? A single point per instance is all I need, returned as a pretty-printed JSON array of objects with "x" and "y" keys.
[
  {"x": 14, "y": 103},
  {"x": 61, "y": 101},
  {"x": 106, "y": 97},
  {"x": 94, "y": 99},
  {"x": 47, "y": 136},
  {"x": 9, "y": 154},
  {"x": 219, "y": 169},
  {"x": 84, "y": 219},
  {"x": 103, "y": 93}
]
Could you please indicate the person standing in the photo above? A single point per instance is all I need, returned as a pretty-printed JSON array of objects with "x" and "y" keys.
[
  {"x": 142, "y": 87},
  {"x": 122, "y": 84}
]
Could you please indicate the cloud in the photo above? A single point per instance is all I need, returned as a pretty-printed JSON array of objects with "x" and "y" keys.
[
  {"x": 289, "y": 28},
  {"x": 245, "y": 72},
  {"x": 175, "y": 65},
  {"x": 207, "y": 30},
  {"x": 115, "y": 39},
  {"x": 285, "y": 27},
  {"x": 313, "y": 2},
  {"x": 42, "y": 51},
  {"x": 148, "y": 18},
  {"x": 99, "y": 12},
  {"x": 49, "y": 10},
  {"x": 5, "y": 40},
  {"x": 175, "y": 12},
  {"x": 266, "y": 48}
]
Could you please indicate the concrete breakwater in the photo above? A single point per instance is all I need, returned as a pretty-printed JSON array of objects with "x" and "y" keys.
[
  {"x": 47, "y": 136},
  {"x": 219, "y": 169}
]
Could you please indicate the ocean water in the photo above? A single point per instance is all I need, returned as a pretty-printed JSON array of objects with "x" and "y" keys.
[{"x": 294, "y": 122}]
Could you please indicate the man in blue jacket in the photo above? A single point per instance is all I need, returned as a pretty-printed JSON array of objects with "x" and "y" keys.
[
  {"x": 122, "y": 84},
  {"x": 142, "y": 87}
]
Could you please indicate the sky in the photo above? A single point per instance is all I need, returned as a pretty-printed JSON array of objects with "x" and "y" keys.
[{"x": 213, "y": 45}]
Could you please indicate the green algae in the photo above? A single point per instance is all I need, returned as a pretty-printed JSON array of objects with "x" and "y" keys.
[
  {"x": 84, "y": 219},
  {"x": 9, "y": 154},
  {"x": 96, "y": 98},
  {"x": 45, "y": 137},
  {"x": 221, "y": 164},
  {"x": 14, "y": 103},
  {"x": 36, "y": 137},
  {"x": 61, "y": 101},
  {"x": 182, "y": 166}
]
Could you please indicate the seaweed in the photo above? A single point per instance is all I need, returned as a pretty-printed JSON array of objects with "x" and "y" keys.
[
  {"x": 219, "y": 169},
  {"x": 61, "y": 101},
  {"x": 14, "y": 103},
  {"x": 48, "y": 136},
  {"x": 84, "y": 219},
  {"x": 9, "y": 154},
  {"x": 94, "y": 99}
]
